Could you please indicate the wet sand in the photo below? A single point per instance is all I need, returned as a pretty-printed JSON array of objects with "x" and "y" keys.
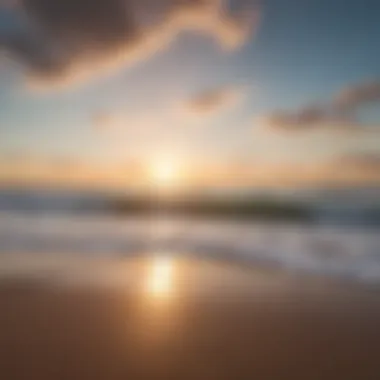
[{"x": 168, "y": 318}]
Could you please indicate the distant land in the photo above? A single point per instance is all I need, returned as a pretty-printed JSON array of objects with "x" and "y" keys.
[{"x": 342, "y": 205}]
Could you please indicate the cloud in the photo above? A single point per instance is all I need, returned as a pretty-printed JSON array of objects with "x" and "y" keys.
[
  {"x": 353, "y": 168},
  {"x": 103, "y": 120},
  {"x": 308, "y": 117},
  {"x": 214, "y": 100},
  {"x": 169, "y": 115},
  {"x": 66, "y": 171},
  {"x": 368, "y": 162},
  {"x": 137, "y": 124},
  {"x": 340, "y": 113},
  {"x": 61, "y": 41},
  {"x": 356, "y": 96}
]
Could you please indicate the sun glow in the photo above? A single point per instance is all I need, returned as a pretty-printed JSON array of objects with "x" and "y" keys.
[
  {"x": 164, "y": 172},
  {"x": 160, "y": 277}
]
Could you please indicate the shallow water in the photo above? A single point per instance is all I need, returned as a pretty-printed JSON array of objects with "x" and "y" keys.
[{"x": 351, "y": 252}]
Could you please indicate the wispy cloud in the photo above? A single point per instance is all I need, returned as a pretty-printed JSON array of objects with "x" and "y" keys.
[
  {"x": 353, "y": 97},
  {"x": 65, "y": 171},
  {"x": 340, "y": 113},
  {"x": 61, "y": 41},
  {"x": 172, "y": 114},
  {"x": 137, "y": 124},
  {"x": 215, "y": 100},
  {"x": 103, "y": 120},
  {"x": 367, "y": 162}
]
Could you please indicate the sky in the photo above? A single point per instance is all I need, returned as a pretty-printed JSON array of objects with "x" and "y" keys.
[{"x": 243, "y": 92}]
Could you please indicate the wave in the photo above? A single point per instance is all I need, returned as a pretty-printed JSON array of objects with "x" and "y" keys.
[{"x": 351, "y": 252}]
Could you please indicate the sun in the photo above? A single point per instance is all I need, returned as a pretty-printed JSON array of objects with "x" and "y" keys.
[{"x": 164, "y": 173}]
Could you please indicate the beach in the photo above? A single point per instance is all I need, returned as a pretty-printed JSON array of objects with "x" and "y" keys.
[
  {"x": 180, "y": 317},
  {"x": 189, "y": 190}
]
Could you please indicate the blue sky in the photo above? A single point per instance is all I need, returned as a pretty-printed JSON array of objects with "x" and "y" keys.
[{"x": 300, "y": 54}]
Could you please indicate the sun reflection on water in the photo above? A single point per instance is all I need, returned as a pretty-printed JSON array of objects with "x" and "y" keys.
[
  {"x": 160, "y": 277},
  {"x": 156, "y": 318}
]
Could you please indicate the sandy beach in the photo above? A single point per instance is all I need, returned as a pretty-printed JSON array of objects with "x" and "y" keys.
[{"x": 182, "y": 318}]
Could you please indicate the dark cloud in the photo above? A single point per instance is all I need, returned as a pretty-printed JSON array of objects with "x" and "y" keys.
[
  {"x": 60, "y": 39},
  {"x": 340, "y": 112}
]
